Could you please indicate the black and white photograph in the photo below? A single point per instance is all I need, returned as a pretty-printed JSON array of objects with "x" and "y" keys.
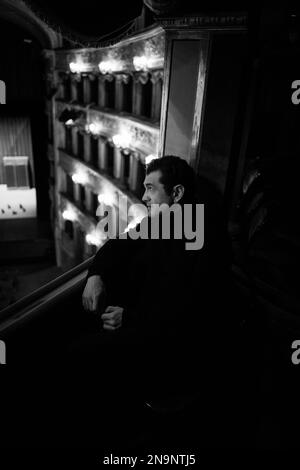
[{"x": 149, "y": 234}]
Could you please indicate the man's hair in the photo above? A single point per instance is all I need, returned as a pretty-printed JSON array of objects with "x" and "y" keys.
[{"x": 175, "y": 170}]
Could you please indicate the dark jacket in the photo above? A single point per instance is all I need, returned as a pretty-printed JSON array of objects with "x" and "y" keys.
[{"x": 165, "y": 289}]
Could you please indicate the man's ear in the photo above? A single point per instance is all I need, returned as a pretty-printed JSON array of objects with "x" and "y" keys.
[{"x": 177, "y": 193}]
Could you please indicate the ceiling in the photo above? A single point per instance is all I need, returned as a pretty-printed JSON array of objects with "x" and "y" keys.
[{"x": 91, "y": 19}]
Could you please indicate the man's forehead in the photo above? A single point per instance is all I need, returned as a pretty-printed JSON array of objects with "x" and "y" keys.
[{"x": 153, "y": 177}]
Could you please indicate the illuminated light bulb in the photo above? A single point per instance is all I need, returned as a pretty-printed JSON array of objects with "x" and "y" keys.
[
  {"x": 94, "y": 127},
  {"x": 149, "y": 158},
  {"x": 72, "y": 66},
  {"x": 79, "y": 178},
  {"x": 109, "y": 66},
  {"x": 93, "y": 239},
  {"x": 140, "y": 62},
  {"x": 103, "y": 67},
  {"x": 77, "y": 67},
  {"x": 69, "y": 122},
  {"x": 69, "y": 214},
  {"x": 106, "y": 198},
  {"x": 121, "y": 140}
]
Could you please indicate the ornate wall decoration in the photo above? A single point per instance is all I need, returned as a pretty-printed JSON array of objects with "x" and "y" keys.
[
  {"x": 116, "y": 58},
  {"x": 123, "y": 77},
  {"x": 156, "y": 75},
  {"x": 210, "y": 22},
  {"x": 108, "y": 77},
  {"x": 142, "y": 77},
  {"x": 144, "y": 137},
  {"x": 108, "y": 124}
]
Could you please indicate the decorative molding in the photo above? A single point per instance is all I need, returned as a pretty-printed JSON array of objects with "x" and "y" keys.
[
  {"x": 144, "y": 136},
  {"x": 205, "y": 22},
  {"x": 141, "y": 77},
  {"x": 75, "y": 77},
  {"x": 123, "y": 77},
  {"x": 97, "y": 181},
  {"x": 156, "y": 75},
  {"x": 150, "y": 45},
  {"x": 84, "y": 220},
  {"x": 92, "y": 76},
  {"x": 108, "y": 77}
]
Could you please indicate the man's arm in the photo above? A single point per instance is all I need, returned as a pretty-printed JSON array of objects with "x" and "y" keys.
[
  {"x": 110, "y": 259},
  {"x": 93, "y": 292}
]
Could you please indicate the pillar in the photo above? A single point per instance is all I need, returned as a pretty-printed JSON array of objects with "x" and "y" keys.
[
  {"x": 73, "y": 89},
  {"x": 157, "y": 84},
  {"x": 74, "y": 141},
  {"x": 86, "y": 90},
  {"x": 88, "y": 199},
  {"x": 101, "y": 91},
  {"x": 137, "y": 96},
  {"x": 87, "y": 148},
  {"x": 119, "y": 165},
  {"x": 103, "y": 164},
  {"x": 136, "y": 174}
]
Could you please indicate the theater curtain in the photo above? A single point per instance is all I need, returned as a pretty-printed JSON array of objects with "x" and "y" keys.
[{"x": 15, "y": 140}]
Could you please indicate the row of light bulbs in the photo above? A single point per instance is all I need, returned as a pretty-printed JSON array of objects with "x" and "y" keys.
[
  {"x": 122, "y": 140},
  {"x": 140, "y": 63},
  {"x": 106, "y": 198},
  {"x": 81, "y": 177}
]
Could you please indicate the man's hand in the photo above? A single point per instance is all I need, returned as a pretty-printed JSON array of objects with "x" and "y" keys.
[
  {"x": 112, "y": 318},
  {"x": 92, "y": 292}
]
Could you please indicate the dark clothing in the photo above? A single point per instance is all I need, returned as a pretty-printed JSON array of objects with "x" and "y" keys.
[
  {"x": 174, "y": 300},
  {"x": 179, "y": 332}
]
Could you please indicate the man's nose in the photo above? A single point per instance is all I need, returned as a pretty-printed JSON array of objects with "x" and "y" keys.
[{"x": 145, "y": 197}]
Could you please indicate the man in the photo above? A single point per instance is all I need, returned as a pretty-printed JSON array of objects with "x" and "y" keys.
[
  {"x": 160, "y": 309},
  {"x": 155, "y": 297},
  {"x": 169, "y": 180}
]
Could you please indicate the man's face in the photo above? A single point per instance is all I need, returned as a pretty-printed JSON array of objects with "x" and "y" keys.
[{"x": 154, "y": 191}]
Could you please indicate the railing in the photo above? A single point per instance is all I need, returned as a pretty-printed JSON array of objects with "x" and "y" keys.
[{"x": 44, "y": 298}]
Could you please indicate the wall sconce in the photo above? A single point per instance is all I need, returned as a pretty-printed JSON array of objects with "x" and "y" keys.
[
  {"x": 143, "y": 63},
  {"x": 122, "y": 140},
  {"x": 79, "y": 178},
  {"x": 69, "y": 214},
  {"x": 106, "y": 198},
  {"x": 150, "y": 157},
  {"x": 140, "y": 63},
  {"x": 79, "y": 67},
  {"x": 94, "y": 128},
  {"x": 110, "y": 66},
  {"x": 93, "y": 238}
]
